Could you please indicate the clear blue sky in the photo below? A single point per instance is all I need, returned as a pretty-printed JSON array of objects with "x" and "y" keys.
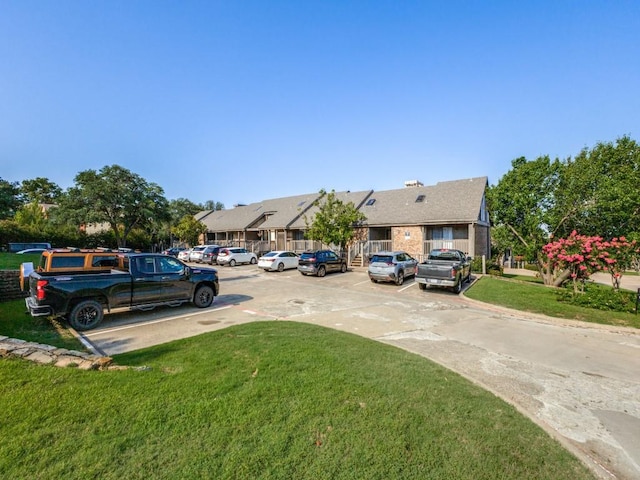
[{"x": 240, "y": 101}]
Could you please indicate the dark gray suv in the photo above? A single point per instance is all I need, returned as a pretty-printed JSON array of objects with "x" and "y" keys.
[{"x": 321, "y": 262}]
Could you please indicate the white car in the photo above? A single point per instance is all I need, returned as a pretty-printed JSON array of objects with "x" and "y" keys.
[
  {"x": 196, "y": 253},
  {"x": 234, "y": 255},
  {"x": 278, "y": 260},
  {"x": 184, "y": 255}
]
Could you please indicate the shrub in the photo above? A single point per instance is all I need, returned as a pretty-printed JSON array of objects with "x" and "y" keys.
[
  {"x": 495, "y": 269},
  {"x": 600, "y": 298},
  {"x": 476, "y": 265}
]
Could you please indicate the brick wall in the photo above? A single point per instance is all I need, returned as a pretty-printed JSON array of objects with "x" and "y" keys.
[
  {"x": 10, "y": 285},
  {"x": 408, "y": 239}
]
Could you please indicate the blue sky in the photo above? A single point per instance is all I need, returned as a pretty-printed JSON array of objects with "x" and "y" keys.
[{"x": 240, "y": 101}]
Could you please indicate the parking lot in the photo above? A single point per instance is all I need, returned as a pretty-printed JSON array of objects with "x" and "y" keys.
[{"x": 580, "y": 382}]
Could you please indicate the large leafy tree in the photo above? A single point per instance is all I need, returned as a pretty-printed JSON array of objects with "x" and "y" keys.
[
  {"x": 189, "y": 229},
  {"x": 118, "y": 197},
  {"x": 180, "y": 207},
  {"x": 599, "y": 193},
  {"x": 9, "y": 199},
  {"x": 523, "y": 202},
  {"x": 335, "y": 222},
  {"x": 40, "y": 190}
]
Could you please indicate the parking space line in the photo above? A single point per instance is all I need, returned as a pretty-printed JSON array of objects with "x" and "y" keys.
[
  {"x": 407, "y": 286},
  {"x": 139, "y": 324}
]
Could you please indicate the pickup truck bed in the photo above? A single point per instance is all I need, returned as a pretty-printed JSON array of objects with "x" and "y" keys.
[{"x": 444, "y": 268}]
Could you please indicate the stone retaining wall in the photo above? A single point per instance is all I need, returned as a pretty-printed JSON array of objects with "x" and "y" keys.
[
  {"x": 49, "y": 355},
  {"x": 10, "y": 285}
]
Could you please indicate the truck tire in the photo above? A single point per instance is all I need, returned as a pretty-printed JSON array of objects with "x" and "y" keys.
[
  {"x": 203, "y": 297},
  {"x": 86, "y": 315},
  {"x": 458, "y": 288},
  {"x": 422, "y": 286}
]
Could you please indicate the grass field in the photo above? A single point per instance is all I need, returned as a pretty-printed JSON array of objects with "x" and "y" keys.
[
  {"x": 267, "y": 400},
  {"x": 12, "y": 261},
  {"x": 529, "y": 296}
]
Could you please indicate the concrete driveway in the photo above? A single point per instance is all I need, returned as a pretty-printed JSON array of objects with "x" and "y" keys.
[{"x": 580, "y": 382}]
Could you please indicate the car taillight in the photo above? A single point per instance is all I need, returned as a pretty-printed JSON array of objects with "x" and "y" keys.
[{"x": 40, "y": 293}]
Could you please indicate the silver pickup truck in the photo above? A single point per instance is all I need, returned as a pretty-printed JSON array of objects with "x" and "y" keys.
[{"x": 444, "y": 268}]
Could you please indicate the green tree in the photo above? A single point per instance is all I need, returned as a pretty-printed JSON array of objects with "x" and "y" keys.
[
  {"x": 118, "y": 197},
  {"x": 32, "y": 216},
  {"x": 599, "y": 191},
  {"x": 523, "y": 203},
  {"x": 40, "y": 190},
  {"x": 189, "y": 229},
  {"x": 211, "y": 205},
  {"x": 335, "y": 222},
  {"x": 180, "y": 207},
  {"x": 9, "y": 199}
]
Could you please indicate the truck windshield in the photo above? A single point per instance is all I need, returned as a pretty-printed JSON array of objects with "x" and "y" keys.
[{"x": 443, "y": 255}]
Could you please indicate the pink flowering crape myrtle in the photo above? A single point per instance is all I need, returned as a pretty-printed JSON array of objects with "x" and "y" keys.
[{"x": 577, "y": 257}]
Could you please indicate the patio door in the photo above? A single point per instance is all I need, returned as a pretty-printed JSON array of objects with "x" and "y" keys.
[{"x": 443, "y": 237}]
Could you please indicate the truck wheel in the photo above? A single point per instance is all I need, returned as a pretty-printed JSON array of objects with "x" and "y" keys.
[
  {"x": 458, "y": 288},
  {"x": 400, "y": 278},
  {"x": 86, "y": 315},
  {"x": 203, "y": 297},
  {"x": 422, "y": 286}
]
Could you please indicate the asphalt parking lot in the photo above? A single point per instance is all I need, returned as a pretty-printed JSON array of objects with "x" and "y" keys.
[{"x": 580, "y": 382}]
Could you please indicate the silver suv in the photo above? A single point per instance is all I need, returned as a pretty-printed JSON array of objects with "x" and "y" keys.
[{"x": 392, "y": 267}]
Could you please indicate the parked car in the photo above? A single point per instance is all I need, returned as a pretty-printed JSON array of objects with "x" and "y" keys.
[
  {"x": 31, "y": 250},
  {"x": 278, "y": 260},
  {"x": 444, "y": 268},
  {"x": 391, "y": 267},
  {"x": 233, "y": 255},
  {"x": 184, "y": 255},
  {"x": 321, "y": 262},
  {"x": 196, "y": 253},
  {"x": 210, "y": 254},
  {"x": 173, "y": 251}
]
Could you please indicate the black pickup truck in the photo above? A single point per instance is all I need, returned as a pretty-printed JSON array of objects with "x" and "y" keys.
[
  {"x": 444, "y": 268},
  {"x": 140, "y": 281}
]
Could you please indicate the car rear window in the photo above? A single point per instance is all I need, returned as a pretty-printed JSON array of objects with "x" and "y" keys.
[
  {"x": 382, "y": 259},
  {"x": 308, "y": 255}
]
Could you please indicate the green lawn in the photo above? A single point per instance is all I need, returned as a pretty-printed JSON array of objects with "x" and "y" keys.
[
  {"x": 12, "y": 261},
  {"x": 267, "y": 400},
  {"x": 531, "y": 296}
]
